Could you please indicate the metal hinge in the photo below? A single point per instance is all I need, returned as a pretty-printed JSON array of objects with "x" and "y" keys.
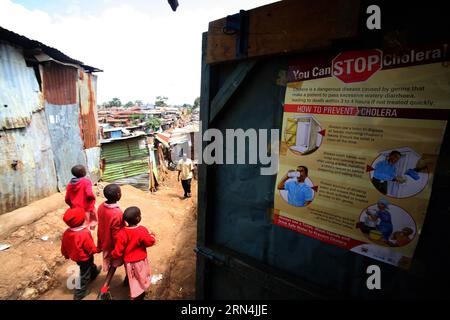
[{"x": 238, "y": 24}]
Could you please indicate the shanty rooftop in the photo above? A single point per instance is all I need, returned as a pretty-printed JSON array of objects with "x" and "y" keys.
[{"x": 40, "y": 52}]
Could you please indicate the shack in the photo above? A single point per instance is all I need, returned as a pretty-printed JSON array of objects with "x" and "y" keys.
[
  {"x": 127, "y": 158},
  {"x": 48, "y": 120},
  {"x": 182, "y": 140}
]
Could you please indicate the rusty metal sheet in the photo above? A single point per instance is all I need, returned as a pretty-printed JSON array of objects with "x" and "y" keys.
[
  {"x": 19, "y": 89},
  {"x": 93, "y": 163},
  {"x": 27, "y": 170},
  {"x": 87, "y": 85},
  {"x": 60, "y": 84},
  {"x": 66, "y": 140}
]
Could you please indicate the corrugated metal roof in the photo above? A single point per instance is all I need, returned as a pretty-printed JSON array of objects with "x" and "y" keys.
[
  {"x": 140, "y": 181},
  {"x": 38, "y": 47},
  {"x": 19, "y": 89},
  {"x": 27, "y": 167},
  {"x": 60, "y": 84},
  {"x": 88, "y": 107},
  {"x": 106, "y": 141},
  {"x": 125, "y": 158}
]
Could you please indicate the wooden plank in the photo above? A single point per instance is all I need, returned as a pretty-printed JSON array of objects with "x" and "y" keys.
[
  {"x": 230, "y": 86},
  {"x": 288, "y": 26},
  {"x": 221, "y": 47}
]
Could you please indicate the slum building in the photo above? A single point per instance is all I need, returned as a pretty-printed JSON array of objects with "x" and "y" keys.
[{"x": 48, "y": 120}]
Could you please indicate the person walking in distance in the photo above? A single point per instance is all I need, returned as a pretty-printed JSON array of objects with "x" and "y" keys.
[{"x": 185, "y": 168}]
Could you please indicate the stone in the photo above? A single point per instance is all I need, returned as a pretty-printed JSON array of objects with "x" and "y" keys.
[{"x": 29, "y": 294}]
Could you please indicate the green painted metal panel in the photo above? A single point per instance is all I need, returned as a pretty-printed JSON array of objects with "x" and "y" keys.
[{"x": 125, "y": 158}]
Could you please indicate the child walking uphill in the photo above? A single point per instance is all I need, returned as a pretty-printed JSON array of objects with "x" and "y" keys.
[
  {"x": 79, "y": 195},
  {"x": 77, "y": 244},
  {"x": 110, "y": 221},
  {"x": 131, "y": 244}
]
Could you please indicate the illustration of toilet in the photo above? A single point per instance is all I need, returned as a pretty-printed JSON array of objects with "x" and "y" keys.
[{"x": 302, "y": 134}]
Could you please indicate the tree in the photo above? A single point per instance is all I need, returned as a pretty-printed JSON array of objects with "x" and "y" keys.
[
  {"x": 129, "y": 104},
  {"x": 161, "y": 101},
  {"x": 115, "y": 102},
  {"x": 138, "y": 103},
  {"x": 154, "y": 123},
  {"x": 197, "y": 103}
]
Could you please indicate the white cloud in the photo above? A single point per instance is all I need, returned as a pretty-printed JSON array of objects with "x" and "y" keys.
[{"x": 143, "y": 55}]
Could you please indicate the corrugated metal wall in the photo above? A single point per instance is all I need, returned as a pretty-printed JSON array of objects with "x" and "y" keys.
[
  {"x": 66, "y": 141},
  {"x": 125, "y": 158},
  {"x": 19, "y": 89},
  {"x": 88, "y": 106},
  {"x": 93, "y": 163},
  {"x": 34, "y": 176},
  {"x": 60, "y": 84},
  {"x": 73, "y": 126},
  {"x": 27, "y": 167}
]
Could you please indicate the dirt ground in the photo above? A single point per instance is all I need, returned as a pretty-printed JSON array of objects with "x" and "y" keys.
[{"x": 33, "y": 268}]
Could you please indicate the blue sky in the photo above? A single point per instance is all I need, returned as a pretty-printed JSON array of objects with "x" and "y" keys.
[{"x": 144, "y": 47}]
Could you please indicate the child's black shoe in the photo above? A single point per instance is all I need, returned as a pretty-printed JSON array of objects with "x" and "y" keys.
[{"x": 81, "y": 296}]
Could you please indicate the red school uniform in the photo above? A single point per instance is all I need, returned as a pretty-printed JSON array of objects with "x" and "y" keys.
[
  {"x": 79, "y": 194},
  {"x": 132, "y": 242},
  {"x": 77, "y": 244},
  {"x": 110, "y": 221}
]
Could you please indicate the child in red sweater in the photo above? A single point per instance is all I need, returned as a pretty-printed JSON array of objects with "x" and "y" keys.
[
  {"x": 110, "y": 221},
  {"x": 77, "y": 244},
  {"x": 79, "y": 195},
  {"x": 131, "y": 244}
]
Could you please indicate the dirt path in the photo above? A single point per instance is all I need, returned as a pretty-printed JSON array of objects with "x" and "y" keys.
[{"x": 34, "y": 269}]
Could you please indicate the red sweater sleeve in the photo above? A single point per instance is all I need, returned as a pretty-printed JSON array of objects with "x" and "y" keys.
[
  {"x": 116, "y": 225},
  {"x": 88, "y": 189},
  {"x": 67, "y": 199},
  {"x": 89, "y": 246},
  {"x": 148, "y": 238},
  {"x": 63, "y": 248},
  {"x": 121, "y": 242}
]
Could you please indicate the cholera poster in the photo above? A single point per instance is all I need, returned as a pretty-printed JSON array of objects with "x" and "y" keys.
[{"x": 360, "y": 141}]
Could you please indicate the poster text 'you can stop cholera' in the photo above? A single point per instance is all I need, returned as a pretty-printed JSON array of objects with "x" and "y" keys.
[{"x": 360, "y": 140}]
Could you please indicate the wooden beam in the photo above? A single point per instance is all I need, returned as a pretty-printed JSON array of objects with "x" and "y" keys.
[
  {"x": 230, "y": 86},
  {"x": 287, "y": 26}
]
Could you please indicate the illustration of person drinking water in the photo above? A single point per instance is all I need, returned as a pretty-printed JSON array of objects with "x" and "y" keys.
[{"x": 299, "y": 193}]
